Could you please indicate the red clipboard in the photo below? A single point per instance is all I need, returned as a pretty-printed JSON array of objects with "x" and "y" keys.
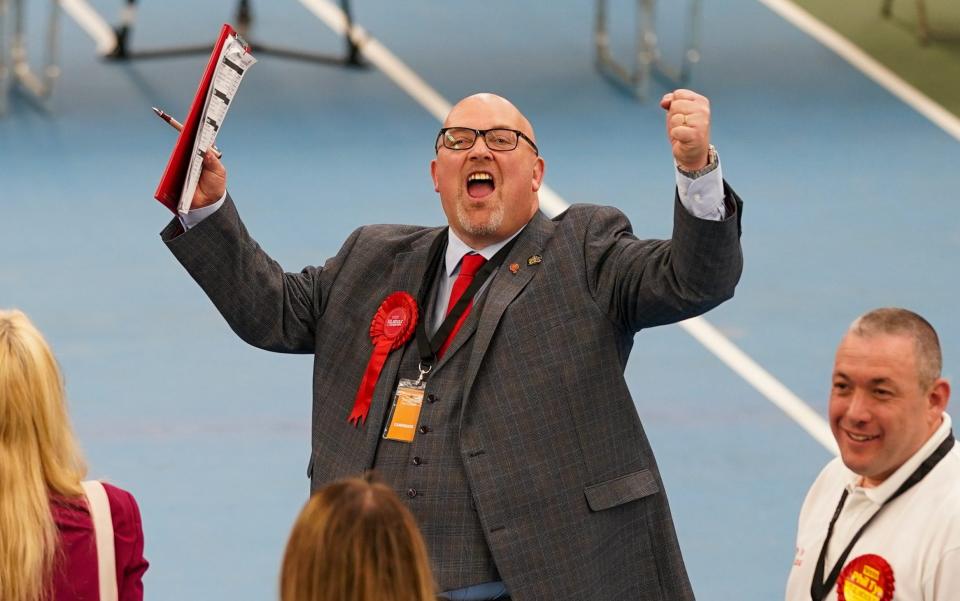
[{"x": 174, "y": 176}]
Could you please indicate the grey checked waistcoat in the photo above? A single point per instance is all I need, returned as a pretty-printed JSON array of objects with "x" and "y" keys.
[{"x": 428, "y": 473}]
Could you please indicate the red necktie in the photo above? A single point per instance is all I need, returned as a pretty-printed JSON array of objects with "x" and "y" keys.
[{"x": 469, "y": 266}]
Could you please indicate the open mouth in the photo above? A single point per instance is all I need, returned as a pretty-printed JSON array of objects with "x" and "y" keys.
[
  {"x": 480, "y": 184},
  {"x": 861, "y": 437}
]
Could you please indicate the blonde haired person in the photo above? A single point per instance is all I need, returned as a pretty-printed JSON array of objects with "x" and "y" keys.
[
  {"x": 355, "y": 541},
  {"x": 47, "y": 548}
]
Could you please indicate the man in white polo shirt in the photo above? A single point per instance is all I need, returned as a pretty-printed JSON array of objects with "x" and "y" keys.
[{"x": 882, "y": 521}]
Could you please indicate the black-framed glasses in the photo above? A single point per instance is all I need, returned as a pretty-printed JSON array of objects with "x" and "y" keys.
[{"x": 463, "y": 138}]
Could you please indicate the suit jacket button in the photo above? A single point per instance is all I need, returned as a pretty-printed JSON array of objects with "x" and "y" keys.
[
  {"x": 424, "y": 429},
  {"x": 416, "y": 461},
  {"x": 412, "y": 492}
]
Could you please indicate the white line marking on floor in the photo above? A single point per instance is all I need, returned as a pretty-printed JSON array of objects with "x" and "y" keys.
[
  {"x": 869, "y": 66},
  {"x": 92, "y": 23},
  {"x": 552, "y": 204},
  {"x": 759, "y": 378}
]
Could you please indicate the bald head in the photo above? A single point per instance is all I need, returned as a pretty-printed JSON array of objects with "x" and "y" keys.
[
  {"x": 488, "y": 188},
  {"x": 487, "y": 103}
]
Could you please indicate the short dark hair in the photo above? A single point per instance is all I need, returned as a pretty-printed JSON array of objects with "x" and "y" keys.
[{"x": 903, "y": 322}]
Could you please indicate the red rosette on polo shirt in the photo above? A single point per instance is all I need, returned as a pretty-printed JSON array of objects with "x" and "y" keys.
[
  {"x": 390, "y": 329},
  {"x": 866, "y": 578}
]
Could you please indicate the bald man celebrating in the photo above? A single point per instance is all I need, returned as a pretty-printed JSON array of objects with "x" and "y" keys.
[{"x": 479, "y": 366}]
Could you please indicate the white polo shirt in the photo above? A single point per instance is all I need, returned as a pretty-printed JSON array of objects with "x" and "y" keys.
[{"x": 917, "y": 534}]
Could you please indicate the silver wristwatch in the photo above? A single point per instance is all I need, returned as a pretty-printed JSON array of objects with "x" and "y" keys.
[{"x": 712, "y": 163}]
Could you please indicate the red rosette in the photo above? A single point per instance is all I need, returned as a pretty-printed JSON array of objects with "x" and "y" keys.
[
  {"x": 391, "y": 327},
  {"x": 866, "y": 578},
  {"x": 394, "y": 320}
]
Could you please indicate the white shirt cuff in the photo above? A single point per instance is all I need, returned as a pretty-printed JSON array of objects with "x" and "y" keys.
[
  {"x": 702, "y": 197},
  {"x": 195, "y": 216}
]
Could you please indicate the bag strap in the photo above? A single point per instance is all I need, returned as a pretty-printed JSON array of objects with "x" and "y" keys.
[{"x": 103, "y": 533}]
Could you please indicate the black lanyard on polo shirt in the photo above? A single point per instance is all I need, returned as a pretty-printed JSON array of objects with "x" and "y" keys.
[
  {"x": 819, "y": 587},
  {"x": 426, "y": 346}
]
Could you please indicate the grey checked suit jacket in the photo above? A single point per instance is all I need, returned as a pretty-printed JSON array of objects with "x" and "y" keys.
[{"x": 562, "y": 475}]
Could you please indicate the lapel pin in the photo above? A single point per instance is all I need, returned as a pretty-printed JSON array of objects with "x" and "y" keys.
[
  {"x": 535, "y": 260},
  {"x": 514, "y": 268}
]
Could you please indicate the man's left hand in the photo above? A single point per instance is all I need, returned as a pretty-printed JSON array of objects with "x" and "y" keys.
[{"x": 688, "y": 128}]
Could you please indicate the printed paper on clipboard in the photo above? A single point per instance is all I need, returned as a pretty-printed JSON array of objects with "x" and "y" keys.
[{"x": 228, "y": 63}]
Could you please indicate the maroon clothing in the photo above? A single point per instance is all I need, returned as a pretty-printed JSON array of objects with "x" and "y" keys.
[{"x": 75, "y": 569}]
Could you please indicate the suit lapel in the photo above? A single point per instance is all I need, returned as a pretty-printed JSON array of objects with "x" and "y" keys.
[
  {"x": 409, "y": 267},
  {"x": 503, "y": 290},
  {"x": 408, "y": 273}
]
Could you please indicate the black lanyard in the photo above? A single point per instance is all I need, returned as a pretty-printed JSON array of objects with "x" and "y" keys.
[
  {"x": 428, "y": 347},
  {"x": 819, "y": 588}
]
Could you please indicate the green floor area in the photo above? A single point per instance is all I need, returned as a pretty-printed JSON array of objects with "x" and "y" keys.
[{"x": 933, "y": 68}]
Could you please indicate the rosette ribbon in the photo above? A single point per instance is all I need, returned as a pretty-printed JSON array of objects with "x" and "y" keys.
[
  {"x": 866, "y": 577},
  {"x": 390, "y": 329}
]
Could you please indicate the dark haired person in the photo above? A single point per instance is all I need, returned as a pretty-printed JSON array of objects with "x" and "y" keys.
[
  {"x": 354, "y": 540},
  {"x": 882, "y": 521}
]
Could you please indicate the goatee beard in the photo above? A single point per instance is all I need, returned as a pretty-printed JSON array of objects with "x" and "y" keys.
[{"x": 489, "y": 227}]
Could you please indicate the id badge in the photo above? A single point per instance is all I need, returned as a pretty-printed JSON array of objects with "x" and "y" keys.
[{"x": 405, "y": 412}]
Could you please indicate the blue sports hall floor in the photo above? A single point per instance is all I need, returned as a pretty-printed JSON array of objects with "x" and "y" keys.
[{"x": 848, "y": 195}]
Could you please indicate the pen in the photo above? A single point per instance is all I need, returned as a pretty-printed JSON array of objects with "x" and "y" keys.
[{"x": 179, "y": 126}]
